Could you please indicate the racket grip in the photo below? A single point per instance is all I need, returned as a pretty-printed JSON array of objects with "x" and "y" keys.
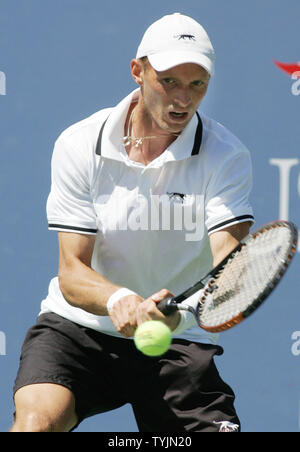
[{"x": 167, "y": 307}]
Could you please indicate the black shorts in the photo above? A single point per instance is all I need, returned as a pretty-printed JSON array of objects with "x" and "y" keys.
[{"x": 179, "y": 391}]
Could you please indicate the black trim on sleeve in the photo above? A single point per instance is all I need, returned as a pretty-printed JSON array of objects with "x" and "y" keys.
[
  {"x": 198, "y": 136},
  {"x": 73, "y": 228},
  {"x": 232, "y": 220}
]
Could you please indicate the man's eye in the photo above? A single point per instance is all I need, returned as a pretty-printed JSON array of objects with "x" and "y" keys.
[
  {"x": 169, "y": 80},
  {"x": 198, "y": 83}
]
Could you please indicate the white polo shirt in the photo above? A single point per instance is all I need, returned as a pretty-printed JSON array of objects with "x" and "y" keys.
[{"x": 152, "y": 222}]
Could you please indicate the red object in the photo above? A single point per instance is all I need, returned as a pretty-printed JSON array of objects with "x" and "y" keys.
[{"x": 290, "y": 68}]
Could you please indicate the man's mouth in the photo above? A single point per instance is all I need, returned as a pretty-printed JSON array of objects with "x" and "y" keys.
[{"x": 178, "y": 116}]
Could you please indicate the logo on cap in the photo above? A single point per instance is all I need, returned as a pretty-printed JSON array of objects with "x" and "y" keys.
[{"x": 185, "y": 37}]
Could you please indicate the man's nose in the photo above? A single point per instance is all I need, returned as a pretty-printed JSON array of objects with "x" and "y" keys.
[{"x": 182, "y": 98}]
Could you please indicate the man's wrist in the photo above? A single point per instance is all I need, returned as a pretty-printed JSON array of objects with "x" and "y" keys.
[
  {"x": 116, "y": 296},
  {"x": 187, "y": 319}
]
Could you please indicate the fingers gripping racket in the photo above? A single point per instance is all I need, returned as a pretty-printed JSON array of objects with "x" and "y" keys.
[{"x": 236, "y": 287}]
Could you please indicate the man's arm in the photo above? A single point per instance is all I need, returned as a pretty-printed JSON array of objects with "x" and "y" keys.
[
  {"x": 81, "y": 286},
  {"x": 84, "y": 288},
  {"x": 224, "y": 241}
]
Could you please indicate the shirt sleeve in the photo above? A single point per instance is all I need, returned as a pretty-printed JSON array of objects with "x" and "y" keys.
[
  {"x": 227, "y": 198},
  {"x": 69, "y": 206}
]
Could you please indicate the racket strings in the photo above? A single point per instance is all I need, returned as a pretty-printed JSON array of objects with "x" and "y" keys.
[{"x": 245, "y": 277}]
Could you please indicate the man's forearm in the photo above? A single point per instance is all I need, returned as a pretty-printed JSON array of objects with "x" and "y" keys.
[{"x": 84, "y": 288}]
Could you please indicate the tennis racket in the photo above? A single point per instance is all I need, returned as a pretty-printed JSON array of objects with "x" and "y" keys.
[{"x": 237, "y": 286}]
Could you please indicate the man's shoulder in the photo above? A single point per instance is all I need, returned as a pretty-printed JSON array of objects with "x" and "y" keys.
[
  {"x": 218, "y": 139},
  {"x": 86, "y": 130}
]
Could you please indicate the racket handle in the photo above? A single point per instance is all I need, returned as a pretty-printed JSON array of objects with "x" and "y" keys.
[{"x": 167, "y": 306}]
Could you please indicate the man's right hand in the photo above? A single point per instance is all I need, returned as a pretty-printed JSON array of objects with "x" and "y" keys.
[
  {"x": 132, "y": 310},
  {"x": 123, "y": 314}
]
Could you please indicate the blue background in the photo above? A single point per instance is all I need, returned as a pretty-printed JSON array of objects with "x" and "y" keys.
[{"x": 66, "y": 59}]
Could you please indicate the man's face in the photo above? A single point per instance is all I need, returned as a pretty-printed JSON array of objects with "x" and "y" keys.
[{"x": 171, "y": 97}]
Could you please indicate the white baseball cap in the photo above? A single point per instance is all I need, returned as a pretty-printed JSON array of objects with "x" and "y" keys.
[{"x": 177, "y": 39}]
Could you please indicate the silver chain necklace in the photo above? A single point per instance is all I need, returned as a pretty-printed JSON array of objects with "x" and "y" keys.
[
  {"x": 129, "y": 139},
  {"x": 137, "y": 142}
]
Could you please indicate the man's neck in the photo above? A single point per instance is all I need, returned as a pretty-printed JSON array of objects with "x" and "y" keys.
[{"x": 154, "y": 140}]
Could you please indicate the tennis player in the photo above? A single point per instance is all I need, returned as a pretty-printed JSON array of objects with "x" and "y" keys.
[{"x": 146, "y": 197}]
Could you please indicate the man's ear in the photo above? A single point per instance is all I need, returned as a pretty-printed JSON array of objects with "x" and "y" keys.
[{"x": 137, "y": 71}]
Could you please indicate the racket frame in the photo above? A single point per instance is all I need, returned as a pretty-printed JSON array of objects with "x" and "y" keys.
[{"x": 171, "y": 304}]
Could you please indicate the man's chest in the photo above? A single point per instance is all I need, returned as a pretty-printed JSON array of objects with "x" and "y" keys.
[{"x": 169, "y": 198}]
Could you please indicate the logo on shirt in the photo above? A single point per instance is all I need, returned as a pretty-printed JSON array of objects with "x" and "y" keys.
[
  {"x": 176, "y": 196},
  {"x": 293, "y": 69}
]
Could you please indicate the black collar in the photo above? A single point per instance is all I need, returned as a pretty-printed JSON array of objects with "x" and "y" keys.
[{"x": 197, "y": 141}]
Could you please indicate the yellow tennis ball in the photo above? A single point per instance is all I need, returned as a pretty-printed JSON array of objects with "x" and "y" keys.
[{"x": 153, "y": 338}]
